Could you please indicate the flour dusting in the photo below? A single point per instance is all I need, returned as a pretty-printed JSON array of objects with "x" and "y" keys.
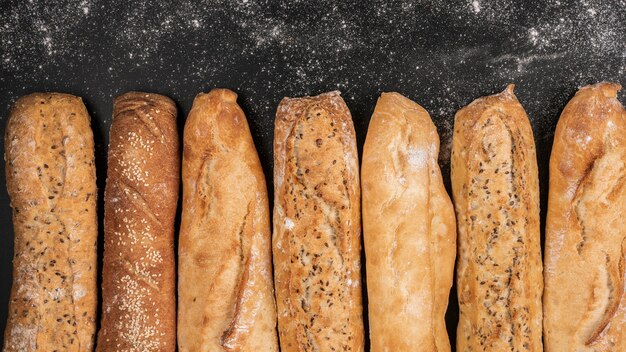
[{"x": 440, "y": 53}]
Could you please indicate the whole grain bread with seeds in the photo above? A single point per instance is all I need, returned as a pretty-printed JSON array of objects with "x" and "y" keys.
[
  {"x": 51, "y": 180},
  {"x": 317, "y": 226},
  {"x": 496, "y": 196},
  {"x": 138, "y": 283}
]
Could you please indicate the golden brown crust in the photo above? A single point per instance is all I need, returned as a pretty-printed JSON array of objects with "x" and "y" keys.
[
  {"x": 584, "y": 297},
  {"x": 317, "y": 229},
  {"x": 225, "y": 292},
  {"x": 496, "y": 197},
  {"x": 138, "y": 282},
  {"x": 409, "y": 229},
  {"x": 51, "y": 181}
]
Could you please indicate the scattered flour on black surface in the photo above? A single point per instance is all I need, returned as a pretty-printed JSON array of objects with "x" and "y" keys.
[{"x": 440, "y": 53}]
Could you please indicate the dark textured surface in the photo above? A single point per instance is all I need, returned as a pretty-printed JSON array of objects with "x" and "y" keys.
[{"x": 442, "y": 54}]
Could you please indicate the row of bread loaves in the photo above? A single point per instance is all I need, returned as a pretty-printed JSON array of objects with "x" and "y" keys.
[{"x": 230, "y": 299}]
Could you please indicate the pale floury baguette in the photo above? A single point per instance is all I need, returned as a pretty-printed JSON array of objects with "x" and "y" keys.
[
  {"x": 496, "y": 197},
  {"x": 141, "y": 194},
  {"x": 51, "y": 180},
  {"x": 317, "y": 226},
  {"x": 409, "y": 229},
  {"x": 225, "y": 291},
  {"x": 585, "y": 298}
]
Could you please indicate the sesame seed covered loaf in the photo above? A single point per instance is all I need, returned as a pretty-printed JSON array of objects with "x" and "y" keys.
[
  {"x": 409, "y": 229},
  {"x": 317, "y": 226},
  {"x": 49, "y": 154},
  {"x": 585, "y": 267},
  {"x": 138, "y": 278},
  {"x": 225, "y": 291},
  {"x": 496, "y": 197}
]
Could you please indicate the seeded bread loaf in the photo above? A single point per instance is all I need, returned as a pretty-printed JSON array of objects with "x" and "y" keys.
[
  {"x": 585, "y": 296},
  {"x": 409, "y": 229},
  {"x": 225, "y": 290},
  {"x": 317, "y": 226},
  {"x": 138, "y": 276},
  {"x": 496, "y": 197},
  {"x": 51, "y": 180}
]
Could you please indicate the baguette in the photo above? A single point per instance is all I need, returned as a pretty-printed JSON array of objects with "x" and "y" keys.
[
  {"x": 225, "y": 291},
  {"x": 585, "y": 296},
  {"x": 317, "y": 228},
  {"x": 496, "y": 197},
  {"x": 409, "y": 229},
  {"x": 51, "y": 181},
  {"x": 138, "y": 282}
]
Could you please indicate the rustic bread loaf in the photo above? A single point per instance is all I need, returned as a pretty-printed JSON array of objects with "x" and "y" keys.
[
  {"x": 51, "y": 180},
  {"x": 317, "y": 226},
  {"x": 409, "y": 229},
  {"x": 225, "y": 290},
  {"x": 585, "y": 297},
  {"x": 138, "y": 278},
  {"x": 496, "y": 197}
]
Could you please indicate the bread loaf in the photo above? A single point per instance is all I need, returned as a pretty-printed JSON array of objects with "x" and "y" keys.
[
  {"x": 51, "y": 181},
  {"x": 317, "y": 228},
  {"x": 585, "y": 297},
  {"x": 409, "y": 229},
  {"x": 496, "y": 197},
  {"x": 138, "y": 282},
  {"x": 225, "y": 291}
]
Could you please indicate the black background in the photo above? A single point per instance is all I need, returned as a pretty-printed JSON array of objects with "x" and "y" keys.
[{"x": 442, "y": 54}]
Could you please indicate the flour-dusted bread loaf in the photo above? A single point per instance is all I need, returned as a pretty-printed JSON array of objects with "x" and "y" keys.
[
  {"x": 51, "y": 180},
  {"x": 138, "y": 277},
  {"x": 585, "y": 297},
  {"x": 409, "y": 229},
  {"x": 496, "y": 197},
  {"x": 225, "y": 290},
  {"x": 317, "y": 226}
]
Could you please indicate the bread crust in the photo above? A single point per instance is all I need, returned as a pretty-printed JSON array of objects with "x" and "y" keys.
[
  {"x": 141, "y": 194},
  {"x": 317, "y": 230},
  {"x": 51, "y": 181},
  {"x": 226, "y": 295},
  {"x": 409, "y": 229},
  {"x": 496, "y": 197},
  {"x": 584, "y": 298}
]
